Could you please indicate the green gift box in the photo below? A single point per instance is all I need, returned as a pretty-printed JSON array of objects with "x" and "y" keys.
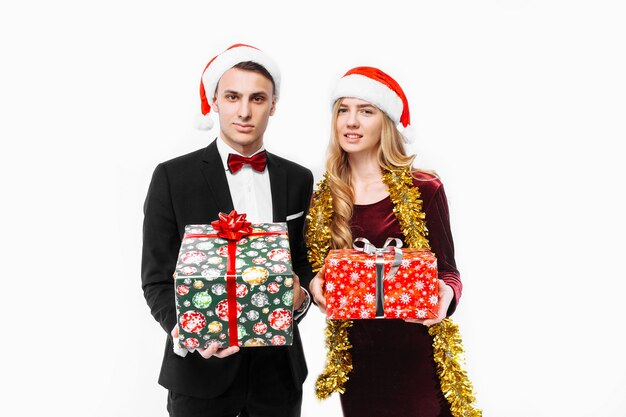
[{"x": 234, "y": 284}]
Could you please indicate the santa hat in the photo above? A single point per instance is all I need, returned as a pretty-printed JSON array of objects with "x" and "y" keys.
[
  {"x": 375, "y": 86},
  {"x": 223, "y": 62}
]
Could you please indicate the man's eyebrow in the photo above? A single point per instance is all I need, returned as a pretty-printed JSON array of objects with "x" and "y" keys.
[{"x": 256, "y": 93}]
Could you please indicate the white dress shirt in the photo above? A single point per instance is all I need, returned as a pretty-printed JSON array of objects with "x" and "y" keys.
[{"x": 249, "y": 189}]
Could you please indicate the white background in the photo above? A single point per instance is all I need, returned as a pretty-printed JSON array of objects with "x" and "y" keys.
[{"x": 519, "y": 105}]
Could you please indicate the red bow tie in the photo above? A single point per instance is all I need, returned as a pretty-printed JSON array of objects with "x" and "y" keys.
[{"x": 257, "y": 162}]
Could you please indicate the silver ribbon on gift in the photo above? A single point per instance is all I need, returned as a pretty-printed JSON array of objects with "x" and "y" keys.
[{"x": 380, "y": 266}]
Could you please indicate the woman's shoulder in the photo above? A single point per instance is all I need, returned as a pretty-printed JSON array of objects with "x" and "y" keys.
[
  {"x": 428, "y": 184},
  {"x": 426, "y": 178}
]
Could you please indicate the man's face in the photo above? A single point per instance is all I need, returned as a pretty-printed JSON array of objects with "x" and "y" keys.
[{"x": 244, "y": 102}]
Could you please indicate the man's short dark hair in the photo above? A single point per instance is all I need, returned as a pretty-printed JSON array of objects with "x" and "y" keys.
[{"x": 258, "y": 68}]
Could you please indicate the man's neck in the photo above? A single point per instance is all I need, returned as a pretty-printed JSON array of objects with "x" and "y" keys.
[{"x": 243, "y": 150}]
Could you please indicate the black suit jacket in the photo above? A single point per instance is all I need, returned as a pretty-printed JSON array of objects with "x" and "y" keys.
[{"x": 192, "y": 189}]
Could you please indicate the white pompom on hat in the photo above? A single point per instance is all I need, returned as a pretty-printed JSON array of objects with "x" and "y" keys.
[
  {"x": 373, "y": 85},
  {"x": 223, "y": 62}
]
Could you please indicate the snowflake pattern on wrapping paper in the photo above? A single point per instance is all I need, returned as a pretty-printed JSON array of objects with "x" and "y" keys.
[
  {"x": 351, "y": 285},
  {"x": 333, "y": 262},
  {"x": 405, "y": 298}
]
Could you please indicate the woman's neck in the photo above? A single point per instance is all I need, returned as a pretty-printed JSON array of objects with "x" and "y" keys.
[{"x": 367, "y": 180}]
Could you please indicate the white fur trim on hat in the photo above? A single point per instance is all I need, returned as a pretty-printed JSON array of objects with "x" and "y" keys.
[
  {"x": 204, "y": 121},
  {"x": 409, "y": 133},
  {"x": 365, "y": 88}
]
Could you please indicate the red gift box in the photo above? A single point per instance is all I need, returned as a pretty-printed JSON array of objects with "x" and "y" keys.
[{"x": 386, "y": 282}]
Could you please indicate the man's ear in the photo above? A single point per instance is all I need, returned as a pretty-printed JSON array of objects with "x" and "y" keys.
[
  {"x": 273, "y": 109},
  {"x": 214, "y": 106}
]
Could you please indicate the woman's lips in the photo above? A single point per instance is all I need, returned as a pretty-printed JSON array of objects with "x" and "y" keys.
[{"x": 352, "y": 137}]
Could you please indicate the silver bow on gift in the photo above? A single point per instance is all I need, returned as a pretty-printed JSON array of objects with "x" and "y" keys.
[{"x": 380, "y": 266}]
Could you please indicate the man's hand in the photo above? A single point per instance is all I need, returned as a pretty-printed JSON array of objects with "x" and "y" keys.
[
  {"x": 212, "y": 350},
  {"x": 298, "y": 293}
]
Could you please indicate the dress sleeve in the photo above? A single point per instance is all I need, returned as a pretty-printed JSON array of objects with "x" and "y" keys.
[{"x": 441, "y": 243}]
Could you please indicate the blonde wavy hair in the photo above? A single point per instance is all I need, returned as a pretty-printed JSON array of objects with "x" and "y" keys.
[{"x": 391, "y": 155}]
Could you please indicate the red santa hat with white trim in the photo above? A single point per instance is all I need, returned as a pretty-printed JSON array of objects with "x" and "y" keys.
[
  {"x": 221, "y": 63},
  {"x": 373, "y": 85}
]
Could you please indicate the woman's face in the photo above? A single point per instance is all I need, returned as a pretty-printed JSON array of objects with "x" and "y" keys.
[{"x": 358, "y": 126}]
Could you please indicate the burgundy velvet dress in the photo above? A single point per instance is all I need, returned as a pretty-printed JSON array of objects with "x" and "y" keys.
[{"x": 394, "y": 371}]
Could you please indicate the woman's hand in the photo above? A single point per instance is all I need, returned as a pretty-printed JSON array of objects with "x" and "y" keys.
[
  {"x": 317, "y": 290},
  {"x": 446, "y": 294}
]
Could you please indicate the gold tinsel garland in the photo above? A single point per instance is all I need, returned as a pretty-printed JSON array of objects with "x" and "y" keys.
[
  {"x": 447, "y": 345},
  {"x": 449, "y": 358},
  {"x": 407, "y": 207},
  {"x": 318, "y": 220},
  {"x": 318, "y": 238}
]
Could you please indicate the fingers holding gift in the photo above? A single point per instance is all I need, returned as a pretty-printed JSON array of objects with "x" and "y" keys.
[
  {"x": 214, "y": 350},
  {"x": 174, "y": 332},
  {"x": 222, "y": 353},
  {"x": 446, "y": 294},
  {"x": 298, "y": 293}
]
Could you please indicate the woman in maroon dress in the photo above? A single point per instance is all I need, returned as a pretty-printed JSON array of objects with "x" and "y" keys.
[{"x": 394, "y": 373}]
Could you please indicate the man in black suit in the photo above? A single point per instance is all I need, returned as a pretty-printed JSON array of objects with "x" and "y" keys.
[{"x": 242, "y": 86}]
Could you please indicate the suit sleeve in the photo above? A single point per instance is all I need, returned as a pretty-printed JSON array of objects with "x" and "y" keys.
[
  {"x": 301, "y": 265},
  {"x": 161, "y": 243},
  {"x": 440, "y": 238}
]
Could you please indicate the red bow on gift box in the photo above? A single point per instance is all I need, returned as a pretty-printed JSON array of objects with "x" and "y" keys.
[{"x": 232, "y": 226}]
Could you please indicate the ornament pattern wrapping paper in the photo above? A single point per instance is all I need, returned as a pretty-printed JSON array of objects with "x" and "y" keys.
[
  {"x": 350, "y": 284},
  {"x": 263, "y": 288}
]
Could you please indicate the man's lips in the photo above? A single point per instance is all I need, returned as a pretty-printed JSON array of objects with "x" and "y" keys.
[{"x": 244, "y": 128}]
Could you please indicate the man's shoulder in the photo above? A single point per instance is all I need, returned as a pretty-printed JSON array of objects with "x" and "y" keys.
[
  {"x": 185, "y": 159},
  {"x": 291, "y": 166}
]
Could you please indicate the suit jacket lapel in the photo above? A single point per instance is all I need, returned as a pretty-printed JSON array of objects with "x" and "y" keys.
[
  {"x": 215, "y": 176},
  {"x": 278, "y": 184}
]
